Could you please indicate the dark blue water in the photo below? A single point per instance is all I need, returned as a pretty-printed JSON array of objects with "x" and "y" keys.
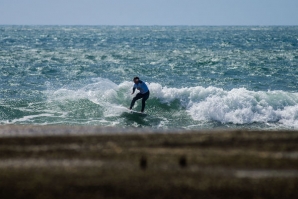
[{"x": 199, "y": 77}]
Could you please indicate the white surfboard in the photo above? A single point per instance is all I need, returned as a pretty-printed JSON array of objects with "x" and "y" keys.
[
  {"x": 127, "y": 110},
  {"x": 137, "y": 112}
]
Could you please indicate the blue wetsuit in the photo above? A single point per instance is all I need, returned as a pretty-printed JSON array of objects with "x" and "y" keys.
[{"x": 144, "y": 94}]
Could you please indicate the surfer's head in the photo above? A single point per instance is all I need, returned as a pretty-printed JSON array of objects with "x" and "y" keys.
[{"x": 136, "y": 80}]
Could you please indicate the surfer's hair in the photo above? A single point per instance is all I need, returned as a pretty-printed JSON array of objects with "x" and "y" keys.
[{"x": 136, "y": 78}]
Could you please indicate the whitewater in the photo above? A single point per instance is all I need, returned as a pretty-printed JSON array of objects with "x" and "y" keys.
[{"x": 199, "y": 77}]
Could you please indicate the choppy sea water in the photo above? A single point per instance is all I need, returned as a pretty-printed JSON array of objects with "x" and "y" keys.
[{"x": 199, "y": 77}]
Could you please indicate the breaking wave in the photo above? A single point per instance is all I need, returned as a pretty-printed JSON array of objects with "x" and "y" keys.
[{"x": 103, "y": 102}]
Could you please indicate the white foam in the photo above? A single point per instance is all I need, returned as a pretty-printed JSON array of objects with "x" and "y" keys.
[
  {"x": 237, "y": 106},
  {"x": 30, "y": 117},
  {"x": 289, "y": 116},
  {"x": 111, "y": 97}
]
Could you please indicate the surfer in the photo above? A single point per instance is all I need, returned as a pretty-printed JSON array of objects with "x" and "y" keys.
[{"x": 143, "y": 94}]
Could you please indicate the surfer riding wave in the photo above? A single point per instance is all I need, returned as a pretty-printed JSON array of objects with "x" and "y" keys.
[{"x": 143, "y": 94}]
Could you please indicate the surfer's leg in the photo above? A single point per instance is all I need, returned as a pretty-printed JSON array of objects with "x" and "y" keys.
[
  {"x": 138, "y": 96},
  {"x": 146, "y": 96}
]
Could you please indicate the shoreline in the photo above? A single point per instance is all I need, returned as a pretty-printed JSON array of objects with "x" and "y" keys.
[
  {"x": 24, "y": 130},
  {"x": 64, "y": 130}
]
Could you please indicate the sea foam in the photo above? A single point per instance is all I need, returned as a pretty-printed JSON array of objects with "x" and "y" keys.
[{"x": 236, "y": 106}]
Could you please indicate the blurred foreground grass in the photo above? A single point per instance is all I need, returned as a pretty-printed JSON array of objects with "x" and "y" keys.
[{"x": 236, "y": 164}]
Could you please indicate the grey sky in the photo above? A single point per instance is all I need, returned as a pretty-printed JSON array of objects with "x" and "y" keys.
[{"x": 149, "y": 12}]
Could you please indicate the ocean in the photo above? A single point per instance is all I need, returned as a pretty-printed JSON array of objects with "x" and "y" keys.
[{"x": 201, "y": 77}]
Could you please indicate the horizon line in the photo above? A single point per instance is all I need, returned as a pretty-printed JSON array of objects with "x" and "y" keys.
[{"x": 136, "y": 25}]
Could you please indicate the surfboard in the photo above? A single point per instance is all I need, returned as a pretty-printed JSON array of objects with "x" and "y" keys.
[
  {"x": 137, "y": 113},
  {"x": 126, "y": 110}
]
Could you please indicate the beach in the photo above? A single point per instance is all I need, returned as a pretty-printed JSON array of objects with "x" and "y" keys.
[{"x": 101, "y": 162}]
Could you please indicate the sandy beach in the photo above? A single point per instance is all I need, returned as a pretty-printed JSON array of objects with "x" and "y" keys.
[{"x": 96, "y": 162}]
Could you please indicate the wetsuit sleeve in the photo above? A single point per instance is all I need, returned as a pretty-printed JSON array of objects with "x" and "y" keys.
[{"x": 133, "y": 90}]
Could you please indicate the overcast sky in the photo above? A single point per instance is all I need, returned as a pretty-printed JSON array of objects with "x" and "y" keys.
[{"x": 149, "y": 12}]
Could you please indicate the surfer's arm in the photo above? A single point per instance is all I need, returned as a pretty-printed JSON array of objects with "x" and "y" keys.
[{"x": 133, "y": 90}]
